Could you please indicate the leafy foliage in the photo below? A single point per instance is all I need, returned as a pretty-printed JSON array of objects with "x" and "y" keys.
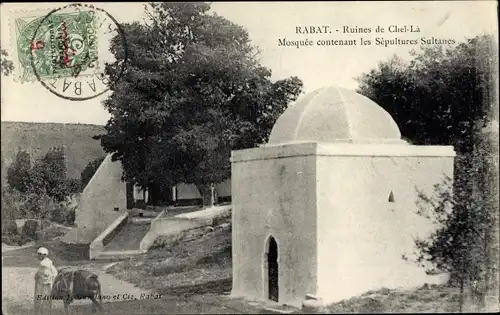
[
  {"x": 440, "y": 97},
  {"x": 444, "y": 97},
  {"x": 192, "y": 91},
  {"x": 49, "y": 175},
  {"x": 89, "y": 171},
  {"x": 18, "y": 172},
  {"x": 10, "y": 204},
  {"x": 41, "y": 191},
  {"x": 455, "y": 247}
]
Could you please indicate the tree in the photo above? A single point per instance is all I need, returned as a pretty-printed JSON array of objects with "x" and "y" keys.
[
  {"x": 89, "y": 171},
  {"x": 10, "y": 204},
  {"x": 18, "y": 172},
  {"x": 49, "y": 176},
  {"x": 457, "y": 246},
  {"x": 445, "y": 97},
  {"x": 192, "y": 91}
]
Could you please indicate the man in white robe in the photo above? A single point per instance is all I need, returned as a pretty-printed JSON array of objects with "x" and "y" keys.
[{"x": 44, "y": 278}]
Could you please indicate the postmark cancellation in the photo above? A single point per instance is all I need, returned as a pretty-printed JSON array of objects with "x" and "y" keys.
[{"x": 65, "y": 49}]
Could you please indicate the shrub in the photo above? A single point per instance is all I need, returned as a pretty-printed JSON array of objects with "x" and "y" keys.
[
  {"x": 9, "y": 227},
  {"x": 22, "y": 239},
  {"x": 10, "y": 204},
  {"x": 10, "y": 239},
  {"x": 29, "y": 229},
  {"x": 9, "y": 232},
  {"x": 58, "y": 214},
  {"x": 10, "y": 236},
  {"x": 71, "y": 216},
  {"x": 18, "y": 172}
]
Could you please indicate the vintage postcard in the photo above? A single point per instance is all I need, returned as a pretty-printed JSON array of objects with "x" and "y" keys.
[{"x": 249, "y": 157}]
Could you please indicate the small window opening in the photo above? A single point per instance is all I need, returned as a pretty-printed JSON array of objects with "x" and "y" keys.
[{"x": 391, "y": 196}]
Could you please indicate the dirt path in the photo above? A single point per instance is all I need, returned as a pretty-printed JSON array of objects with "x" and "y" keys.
[
  {"x": 19, "y": 267},
  {"x": 18, "y": 287}
]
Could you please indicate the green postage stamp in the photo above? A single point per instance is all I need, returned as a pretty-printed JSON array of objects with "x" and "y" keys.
[
  {"x": 66, "y": 49},
  {"x": 56, "y": 45}
]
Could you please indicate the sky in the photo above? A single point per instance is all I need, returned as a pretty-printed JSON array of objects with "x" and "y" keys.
[{"x": 267, "y": 23}]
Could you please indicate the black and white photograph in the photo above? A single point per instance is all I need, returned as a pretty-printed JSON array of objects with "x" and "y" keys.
[{"x": 286, "y": 157}]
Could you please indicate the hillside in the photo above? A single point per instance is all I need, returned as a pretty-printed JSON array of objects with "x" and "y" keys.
[{"x": 38, "y": 138}]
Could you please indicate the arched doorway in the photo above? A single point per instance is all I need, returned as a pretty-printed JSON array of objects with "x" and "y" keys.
[{"x": 272, "y": 270}]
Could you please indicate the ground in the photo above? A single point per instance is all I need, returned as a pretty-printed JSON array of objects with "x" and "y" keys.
[
  {"x": 202, "y": 265},
  {"x": 186, "y": 267},
  {"x": 19, "y": 266},
  {"x": 427, "y": 299},
  {"x": 192, "y": 275}
]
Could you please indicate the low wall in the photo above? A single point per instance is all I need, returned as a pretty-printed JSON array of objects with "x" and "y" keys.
[
  {"x": 167, "y": 227},
  {"x": 178, "y": 224},
  {"x": 97, "y": 246},
  {"x": 208, "y": 214}
]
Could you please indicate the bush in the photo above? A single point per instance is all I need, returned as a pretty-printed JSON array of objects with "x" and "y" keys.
[
  {"x": 10, "y": 239},
  {"x": 70, "y": 217},
  {"x": 29, "y": 229},
  {"x": 58, "y": 215},
  {"x": 9, "y": 232},
  {"x": 22, "y": 239},
  {"x": 10, "y": 236},
  {"x": 9, "y": 227}
]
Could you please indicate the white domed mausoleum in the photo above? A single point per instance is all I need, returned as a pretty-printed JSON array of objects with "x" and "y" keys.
[
  {"x": 335, "y": 115},
  {"x": 328, "y": 206}
]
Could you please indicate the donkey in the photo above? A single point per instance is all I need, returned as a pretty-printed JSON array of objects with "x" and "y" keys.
[{"x": 77, "y": 284}]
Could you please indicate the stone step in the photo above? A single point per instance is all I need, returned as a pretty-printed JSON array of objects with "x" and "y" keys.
[
  {"x": 272, "y": 310},
  {"x": 270, "y": 307},
  {"x": 129, "y": 238},
  {"x": 139, "y": 220},
  {"x": 117, "y": 255},
  {"x": 141, "y": 213}
]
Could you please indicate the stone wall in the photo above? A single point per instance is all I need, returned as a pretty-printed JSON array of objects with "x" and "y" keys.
[{"x": 104, "y": 194}]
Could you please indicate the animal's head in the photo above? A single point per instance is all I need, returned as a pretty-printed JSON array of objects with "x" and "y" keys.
[{"x": 92, "y": 281}]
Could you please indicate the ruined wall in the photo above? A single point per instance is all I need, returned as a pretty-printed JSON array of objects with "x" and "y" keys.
[{"x": 96, "y": 212}]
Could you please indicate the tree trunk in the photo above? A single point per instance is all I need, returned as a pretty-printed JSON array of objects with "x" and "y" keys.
[
  {"x": 207, "y": 192},
  {"x": 461, "y": 298}
]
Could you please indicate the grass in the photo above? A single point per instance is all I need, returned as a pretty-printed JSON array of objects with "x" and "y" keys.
[
  {"x": 426, "y": 299},
  {"x": 194, "y": 272},
  {"x": 200, "y": 263},
  {"x": 166, "y": 305},
  {"x": 197, "y": 263}
]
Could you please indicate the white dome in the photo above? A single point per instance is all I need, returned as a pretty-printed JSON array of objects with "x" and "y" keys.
[{"x": 334, "y": 114}]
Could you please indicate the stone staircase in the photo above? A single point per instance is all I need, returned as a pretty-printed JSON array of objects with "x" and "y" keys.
[
  {"x": 129, "y": 238},
  {"x": 126, "y": 242},
  {"x": 135, "y": 231}
]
